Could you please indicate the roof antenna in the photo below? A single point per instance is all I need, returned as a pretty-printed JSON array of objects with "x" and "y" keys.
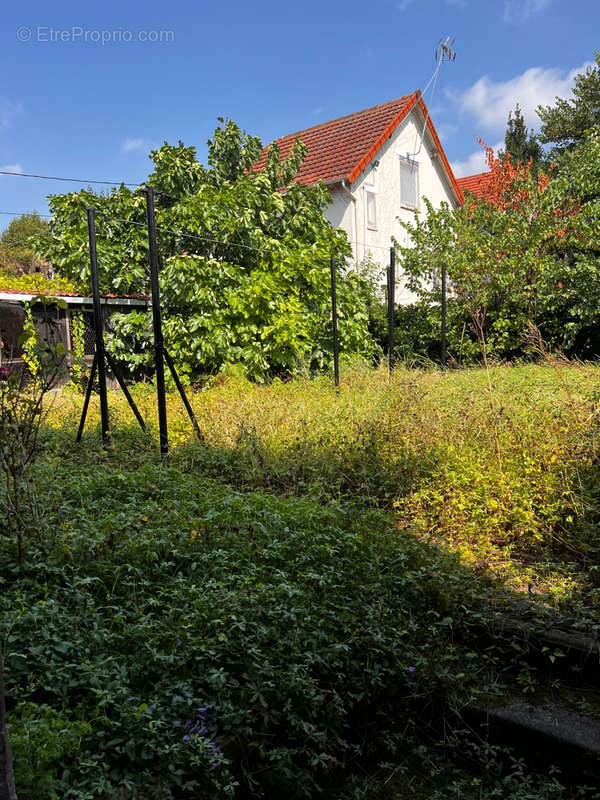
[{"x": 443, "y": 52}]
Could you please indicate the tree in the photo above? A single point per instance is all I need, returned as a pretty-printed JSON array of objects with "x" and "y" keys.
[
  {"x": 20, "y": 230},
  {"x": 520, "y": 143},
  {"x": 511, "y": 253},
  {"x": 17, "y": 243},
  {"x": 566, "y": 122},
  {"x": 246, "y": 256}
]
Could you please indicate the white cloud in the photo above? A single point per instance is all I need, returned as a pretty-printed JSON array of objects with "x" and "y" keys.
[
  {"x": 491, "y": 101},
  {"x": 130, "y": 145},
  {"x": 518, "y": 11},
  {"x": 474, "y": 163},
  {"x": 10, "y": 168}
]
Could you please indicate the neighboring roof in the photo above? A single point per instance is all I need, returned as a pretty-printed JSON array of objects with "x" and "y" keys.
[
  {"x": 73, "y": 298},
  {"x": 341, "y": 148},
  {"x": 476, "y": 184}
]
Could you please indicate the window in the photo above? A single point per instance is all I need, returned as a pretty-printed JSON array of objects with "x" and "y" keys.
[
  {"x": 371, "y": 200},
  {"x": 409, "y": 183}
]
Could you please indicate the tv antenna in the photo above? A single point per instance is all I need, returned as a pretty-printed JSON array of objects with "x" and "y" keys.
[{"x": 443, "y": 52}]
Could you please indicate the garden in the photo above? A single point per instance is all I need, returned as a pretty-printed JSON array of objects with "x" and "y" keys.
[
  {"x": 316, "y": 590},
  {"x": 297, "y": 604}
]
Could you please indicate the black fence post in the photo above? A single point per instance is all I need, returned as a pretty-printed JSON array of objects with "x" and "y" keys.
[
  {"x": 336, "y": 355},
  {"x": 391, "y": 308},
  {"x": 444, "y": 282},
  {"x": 157, "y": 323},
  {"x": 183, "y": 396},
  {"x": 88, "y": 393},
  {"x": 98, "y": 324}
]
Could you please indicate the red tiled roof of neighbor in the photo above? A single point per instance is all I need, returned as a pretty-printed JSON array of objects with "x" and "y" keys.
[
  {"x": 62, "y": 293},
  {"x": 341, "y": 148},
  {"x": 476, "y": 184}
]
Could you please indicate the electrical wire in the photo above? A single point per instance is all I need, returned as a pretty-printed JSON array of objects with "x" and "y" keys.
[
  {"x": 195, "y": 236},
  {"x": 70, "y": 180},
  {"x": 81, "y": 180},
  {"x": 26, "y": 214}
]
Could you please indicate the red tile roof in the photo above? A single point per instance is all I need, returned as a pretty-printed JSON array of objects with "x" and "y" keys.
[
  {"x": 342, "y": 148},
  {"x": 476, "y": 184},
  {"x": 62, "y": 293}
]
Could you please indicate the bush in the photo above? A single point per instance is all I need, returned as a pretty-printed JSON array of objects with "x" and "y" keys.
[{"x": 204, "y": 639}]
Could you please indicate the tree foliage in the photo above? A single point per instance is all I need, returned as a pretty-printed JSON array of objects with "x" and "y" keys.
[
  {"x": 526, "y": 252},
  {"x": 566, "y": 123},
  {"x": 245, "y": 274},
  {"x": 521, "y": 144},
  {"x": 17, "y": 244},
  {"x": 19, "y": 230}
]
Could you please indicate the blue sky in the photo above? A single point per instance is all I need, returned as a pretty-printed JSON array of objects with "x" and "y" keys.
[{"x": 71, "y": 105}]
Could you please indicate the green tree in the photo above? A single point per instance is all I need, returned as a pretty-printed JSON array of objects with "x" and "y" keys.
[
  {"x": 565, "y": 123},
  {"x": 520, "y": 143},
  {"x": 529, "y": 252},
  {"x": 17, "y": 243},
  {"x": 245, "y": 274},
  {"x": 20, "y": 230}
]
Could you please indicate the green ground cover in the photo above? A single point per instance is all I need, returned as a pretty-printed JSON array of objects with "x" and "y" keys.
[{"x": 293, "y": 607}]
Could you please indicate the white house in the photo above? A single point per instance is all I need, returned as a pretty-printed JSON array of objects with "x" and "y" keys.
[{"x": 378, "y": 165}]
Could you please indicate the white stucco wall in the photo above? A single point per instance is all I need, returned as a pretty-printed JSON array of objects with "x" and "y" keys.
[{"x": 384, "y": 180}]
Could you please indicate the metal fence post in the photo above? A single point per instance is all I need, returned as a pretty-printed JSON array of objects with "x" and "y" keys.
[
  {"x": 391, "y": 308},
  {"x": 157, "y": 324},
  {"x": 336, "y": 355},
  {"x": 444, "y": 282},
  {"x": 98, "y": 324}
]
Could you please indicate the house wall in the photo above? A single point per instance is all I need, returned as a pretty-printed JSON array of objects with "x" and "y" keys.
[{"x": 385, "y": 181}]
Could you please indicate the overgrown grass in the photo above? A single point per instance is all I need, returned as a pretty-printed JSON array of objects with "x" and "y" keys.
[
  {"x": 501, "y": 466},
  {"x": 307, "y": 585}
]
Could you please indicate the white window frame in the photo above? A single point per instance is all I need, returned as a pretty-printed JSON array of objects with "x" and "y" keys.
[
  {"x": 370, "y": 190},
  {"x": 407, "y": 160}
]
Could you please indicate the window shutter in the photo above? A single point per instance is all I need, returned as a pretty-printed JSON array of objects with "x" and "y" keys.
[{"x": 409, "y": 171}]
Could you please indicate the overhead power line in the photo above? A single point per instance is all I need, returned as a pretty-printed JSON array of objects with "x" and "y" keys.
[
  {"x": 183, "y": 233},
  {"x": 68, "y": 180},
  {"x": 26, "y": 214}
]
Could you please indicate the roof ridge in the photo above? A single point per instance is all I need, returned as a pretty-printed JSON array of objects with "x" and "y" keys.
[
  {"x": 474, "y": 175},
  {"x": 404, "y": 98}
]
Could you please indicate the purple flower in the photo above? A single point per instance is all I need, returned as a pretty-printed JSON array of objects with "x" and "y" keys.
[
  {"x": 187, "y": 738},
  {"x": 202, "y": 711},
  {"x": 4, "y": 373},
  {"x": 179, "y": 643},
  {"x": 187, "y": 723},
  {"x": 411, "y": 671}
]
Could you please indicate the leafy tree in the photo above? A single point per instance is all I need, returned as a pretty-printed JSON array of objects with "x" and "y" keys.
[
  {"x": 19, "y": 231},
  {"x": 246, "y": 256},
  {"x": 520, "y": 144},
  {"x": 16, "y": 243},
  {"x": 525, "y": 252},
  {"x": 566, "y": 122}
]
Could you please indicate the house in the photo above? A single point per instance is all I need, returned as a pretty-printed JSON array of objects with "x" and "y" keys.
[
  {"x": 377, "y": 164},
  {"x": 475, "y": 184}
]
